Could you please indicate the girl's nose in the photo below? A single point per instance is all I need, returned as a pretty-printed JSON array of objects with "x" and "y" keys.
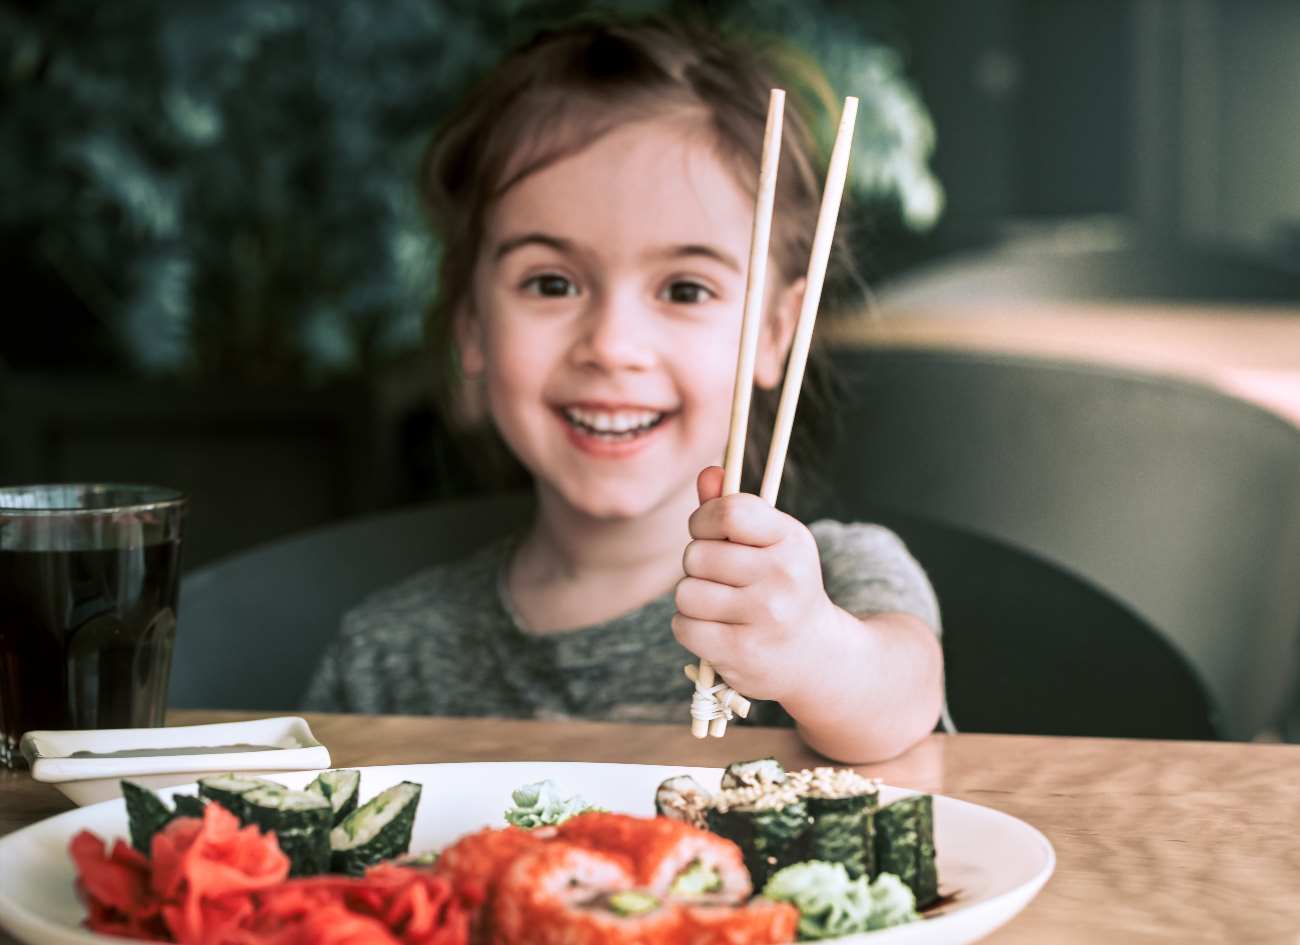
[{"x": 615, "y": 335}]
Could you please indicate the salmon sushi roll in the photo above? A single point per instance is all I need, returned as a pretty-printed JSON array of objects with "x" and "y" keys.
[
  {"x": 672, "y": 859},
  {"x": 564, "y": 894},
  {"x": 759, "y": 922},
  {"x": 482, "y": 858}
]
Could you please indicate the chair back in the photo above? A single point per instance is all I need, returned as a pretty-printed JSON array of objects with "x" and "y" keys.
[
  {"x": 1033, "y": 649},
  {"x": 252, "y": 626},
  {"x": 1180, "y": 502}
]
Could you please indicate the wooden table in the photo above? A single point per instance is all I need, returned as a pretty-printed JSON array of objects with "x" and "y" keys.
[{"x": 1156, "y": 841}]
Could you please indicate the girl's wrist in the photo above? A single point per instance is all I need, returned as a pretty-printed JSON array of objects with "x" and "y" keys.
[{"x": 839, "y": 640}]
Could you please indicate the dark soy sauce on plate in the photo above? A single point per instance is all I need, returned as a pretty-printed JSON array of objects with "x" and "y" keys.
[{"x": 86, "y": 637}]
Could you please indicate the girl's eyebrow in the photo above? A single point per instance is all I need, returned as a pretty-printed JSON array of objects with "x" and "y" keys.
[
  {"x": 561, "y": 245},
  {"x": 700, "y": 249},
  {"x": 508, "y": 246}
]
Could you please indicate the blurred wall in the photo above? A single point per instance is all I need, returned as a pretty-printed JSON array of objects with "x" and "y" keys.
[{"x": 1178, "y": 116}]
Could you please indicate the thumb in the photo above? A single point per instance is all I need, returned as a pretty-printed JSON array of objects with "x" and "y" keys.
[{"x": 709, "y": 483}]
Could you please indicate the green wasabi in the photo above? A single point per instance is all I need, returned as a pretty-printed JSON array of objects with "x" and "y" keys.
[
  {"x": 831, "y": 904},
  {"x": 541, "y": 805}
]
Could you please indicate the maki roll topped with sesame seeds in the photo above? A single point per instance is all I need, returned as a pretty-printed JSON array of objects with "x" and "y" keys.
[
  {"x": 762, "y": 810},
  {"x": 840, "y": 803},
  {"x": 683, "y": 798},
  {"x": 904, "y": 845},
  {"x": 831, "y": 815}
]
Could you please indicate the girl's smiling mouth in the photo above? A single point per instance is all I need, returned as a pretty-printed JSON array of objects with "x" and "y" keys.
[{"x": 603, "y": 430}]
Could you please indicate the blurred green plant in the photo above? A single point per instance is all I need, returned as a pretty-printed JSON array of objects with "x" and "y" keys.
[{"x": 229, "y": 187}]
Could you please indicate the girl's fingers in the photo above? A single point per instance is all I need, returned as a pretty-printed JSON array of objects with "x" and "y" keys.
[
  {"x": 707, "y": 639},
  {"x": 724, "y": 562},
  {"x": 709, "y": 600},
  {"x": 708, "y": 484},
  {"x": 740, "y": 517}
]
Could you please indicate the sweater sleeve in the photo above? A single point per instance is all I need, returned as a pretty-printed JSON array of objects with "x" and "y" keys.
[{"x": 867, "y": 569}]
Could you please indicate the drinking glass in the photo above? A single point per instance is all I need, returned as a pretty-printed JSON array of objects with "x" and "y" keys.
[{"x": 88, "y": 582}]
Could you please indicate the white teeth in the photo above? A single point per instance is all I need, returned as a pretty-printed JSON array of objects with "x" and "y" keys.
[{"x": 613, "y": 422}]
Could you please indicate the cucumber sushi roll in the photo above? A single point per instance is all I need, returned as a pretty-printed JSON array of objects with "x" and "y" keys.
[
  {"x": 905, "y": 845},
  {"x": 840, "y": 803},
  {"x": 340, "y": 788},
  {"x": 189, "y": 805},
  {"x": 757, "y": 773},
  {"x": 146, "y": 813},
  {"x": 683, "y": 798},
  {"x": 301, "y": 822},
  {"x": 228, "y": 790},
  {"x": 379, "y": 829},
  {"x": 767, "y": 821}
]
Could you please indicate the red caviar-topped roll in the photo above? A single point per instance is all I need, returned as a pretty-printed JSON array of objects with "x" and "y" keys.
[
  {"x": 661, "y": 849},
  {"x": 485, "y": 855},
  {"x": 483, "y": 858},
  {"x": 759, "y": 922},
  {"x": 563, "y": 894}
]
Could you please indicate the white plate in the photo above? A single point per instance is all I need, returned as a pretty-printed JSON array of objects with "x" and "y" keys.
[{"x": 991, "y": 863}]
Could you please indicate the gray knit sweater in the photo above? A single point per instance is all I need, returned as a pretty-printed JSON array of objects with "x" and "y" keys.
[{"x": 446, "y": 642}]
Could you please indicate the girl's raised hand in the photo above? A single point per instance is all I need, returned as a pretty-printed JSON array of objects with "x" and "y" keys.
[{"x": 752, "y": 601}]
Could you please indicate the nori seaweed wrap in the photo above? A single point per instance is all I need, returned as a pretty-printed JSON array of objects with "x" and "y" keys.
[
  {"x": 770, "y": 837},
  {"x": 301, "y": 822},
  {"x": 146, "y": 814},
  {"x": 379, "y": 829},
  {"x": 189, "y": 805},
  {"x": 840, "y": 802},
  {"x": 341, "y": 788},
  {"x": 905, "y": 845},
  {"x": 843, "y": 831}
]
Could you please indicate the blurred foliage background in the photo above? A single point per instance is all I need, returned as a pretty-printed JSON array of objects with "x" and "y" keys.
[{"x": 226, "y": 188}]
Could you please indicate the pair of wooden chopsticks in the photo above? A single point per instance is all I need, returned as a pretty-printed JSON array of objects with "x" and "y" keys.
[{"x": 713, "y": 701}]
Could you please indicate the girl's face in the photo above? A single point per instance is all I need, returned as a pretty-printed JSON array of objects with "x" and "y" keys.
[{"x": 606, "y": 313}]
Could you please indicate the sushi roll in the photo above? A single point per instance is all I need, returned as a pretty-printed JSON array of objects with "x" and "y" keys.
[
  {"x": 340, "y": 787},
  {"x": 670, "y": 859},
  {"x": 840, "y": 802},
  {"x": 301, "y": 822},
  {"x": 564, "y": 894},
  {"x": 379, "y": 829},
  {"x": 767, "y": 819},
  {"x": 758, "y": 922},
  {"x": 683, "y": 798},
  {"x": 189, "y": 805},
  {"x": 146, "y": 814},
  {"x": 482, "y": 858},
  {"x": 905, "y": 845},
  {"x": 228, "y": 790},
  {"x": 760, "y": 772}
]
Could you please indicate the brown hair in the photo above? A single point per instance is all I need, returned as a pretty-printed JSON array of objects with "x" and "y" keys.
[{"x": 558, "y": 93}]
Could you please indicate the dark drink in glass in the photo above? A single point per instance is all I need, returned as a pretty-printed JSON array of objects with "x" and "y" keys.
[{"x": 88, "y": 588}]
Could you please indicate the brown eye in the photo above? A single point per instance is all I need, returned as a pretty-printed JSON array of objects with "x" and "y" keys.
[
  {"x": 684, "y": 292},
  {"x": 550, "y": 286}
]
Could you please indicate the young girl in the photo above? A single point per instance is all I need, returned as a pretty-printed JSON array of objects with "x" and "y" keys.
[{"x": 595, "y": 201}]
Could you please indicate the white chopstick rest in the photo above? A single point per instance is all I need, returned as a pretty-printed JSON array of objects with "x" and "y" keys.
[{"x": 714, "y": 703}]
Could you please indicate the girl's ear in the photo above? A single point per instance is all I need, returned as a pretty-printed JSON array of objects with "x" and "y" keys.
[
  {"x": 469, "y": 342},
  {"x": 778, "y": 333}
]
